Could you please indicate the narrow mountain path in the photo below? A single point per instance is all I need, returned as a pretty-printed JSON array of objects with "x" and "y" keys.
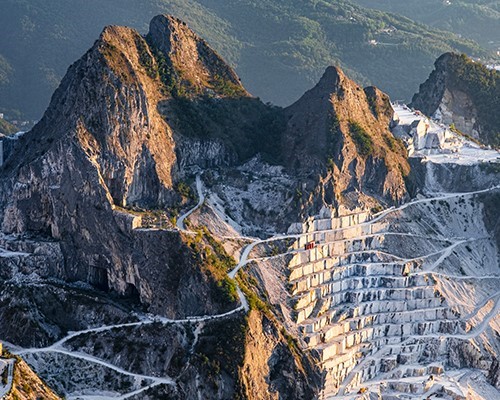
[
  {"x": 98, "y": 361},
  {"x": 122, "y": 397},
  {"x": 57, "y": 347},
  {"x": 201, "y": 198}
]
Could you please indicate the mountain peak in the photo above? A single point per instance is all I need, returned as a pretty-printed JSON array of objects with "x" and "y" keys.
[
  {"x": 445, "y": 58},
  {"x": 328, "y": 124},
  {"x": 166, "y": 30},
  {"x": 331, "y": 82},
  {"x": 195, "y": 64},
  {"x": 332, "y": 77}
]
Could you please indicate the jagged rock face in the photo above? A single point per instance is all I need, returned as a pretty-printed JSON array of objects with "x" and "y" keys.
[
  {"x": 41, "y": 314},
  {"x": 270, "y": 368},
  {"x": 340, "y": 125},
  {"x": 448, "y": 177},
  {"x": 197, "y": 64},
  {"x": 156, "y": 267},
  {"x": 102, "y": 143},
  {"x": 462, "y": 93},
  {"x": 105, "y": 113},
  {"x": 108, "y": 106}
]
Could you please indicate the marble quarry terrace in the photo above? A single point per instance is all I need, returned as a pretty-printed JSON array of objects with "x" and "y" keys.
[
  {"x": 384, "y": 302},
  {"x": 167, "y": 235},
  {"x": 373, "y": 297}
]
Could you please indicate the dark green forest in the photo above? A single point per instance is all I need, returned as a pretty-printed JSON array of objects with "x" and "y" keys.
[
  {"x": 279, "y": 48},
  {"x": 478, "y": 20}
]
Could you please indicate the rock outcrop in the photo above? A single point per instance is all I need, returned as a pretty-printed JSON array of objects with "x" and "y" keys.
[
  {"x": 27, "y": 385},
  {"x": 194, "y": 65},
  {"x": 462, "y": 92},
  {"x": 273, "y": 367},
  {"x": 105, "y": 142},
  {"x": 86, "y": 245},
  {"x": 339, "y": 131}
]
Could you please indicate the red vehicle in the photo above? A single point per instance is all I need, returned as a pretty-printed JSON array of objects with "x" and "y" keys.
[{"x": 309, "y": 246}]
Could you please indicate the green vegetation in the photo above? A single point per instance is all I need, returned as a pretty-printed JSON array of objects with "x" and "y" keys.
[
  {"x": 169, "y": 76},
  {"x": 176, "y": 84},
  {"x": 249, "y": 287},
  {"x": 216, "y": 263},
  {"x": 185, "y": 190},
  {"x": 454, "y": 129},
  {"x": 291, "y": 342},
  {"x": 4, "y": 376},
  {"x": 26, "y": 385},
  {"x": 394, "y": 144},
  {"x": 7, "y": 128},
  {"x": 332, "y": 138},
  {"x": 280, "y": 48},
  {"x": 483, "y": 86},
  {"x": 362, "y": 140},
  {"x": 226, "y": 87},
  {"x": 474, "y": 19},
  {"x": 244, "y": 124},
  {"x": 146, "y": 59}
]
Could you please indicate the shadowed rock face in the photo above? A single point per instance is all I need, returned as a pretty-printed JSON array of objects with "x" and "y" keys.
[
  {"x": 343, "y": 127},
  {"x": 464, "y": 93}
]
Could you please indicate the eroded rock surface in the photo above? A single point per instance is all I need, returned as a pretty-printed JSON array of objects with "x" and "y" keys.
[
  {"x": 341, "y": 294},
  {"x": 465, "y": 94}
]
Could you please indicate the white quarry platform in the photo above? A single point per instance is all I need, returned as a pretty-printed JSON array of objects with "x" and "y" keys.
[
  {"x": 379, "y": 304},
  {"x": 436, "y": 142}
]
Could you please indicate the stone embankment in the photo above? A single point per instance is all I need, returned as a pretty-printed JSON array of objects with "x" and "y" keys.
[{"x": 370, "y": 312}]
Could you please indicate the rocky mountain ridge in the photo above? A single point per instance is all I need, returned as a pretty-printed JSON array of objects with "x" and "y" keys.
[
  {"x": 463, "y": 93},
  {"x": 101, "y": 146},
  {"x": 346, "y": 128},
  {"x": 137, "y": 125}
]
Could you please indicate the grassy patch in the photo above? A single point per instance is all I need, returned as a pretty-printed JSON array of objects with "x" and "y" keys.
[
  {"x": 362, "y": 140},
  {"x": 249, "y": 287},
  {"x": 216, "y": 263}
]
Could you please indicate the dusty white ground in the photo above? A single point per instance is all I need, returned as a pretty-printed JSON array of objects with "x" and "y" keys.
[
  {"x": 456, "y": 149},
  {"x": 9, "y": 365}
]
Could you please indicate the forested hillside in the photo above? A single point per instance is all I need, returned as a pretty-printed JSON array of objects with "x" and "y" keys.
[
  {"x": 279, "y": 48},
  {"x": 474, "y": 19}
]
